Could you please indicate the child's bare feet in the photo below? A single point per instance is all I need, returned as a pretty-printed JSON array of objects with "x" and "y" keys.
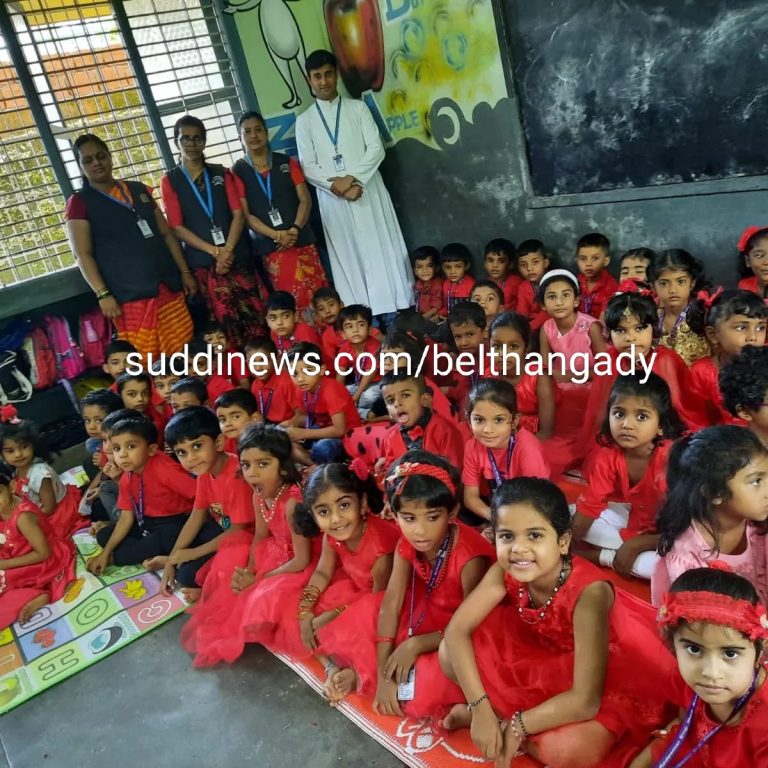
[
  {"x": 344, "y": 681},
  {"x": 191, "y": 594},
  {"x": 96, "y": 527},
  {"x": 156, "y": 563},
  {"x": 458, "y": 717},
  {"x": 31, "y": 608}
]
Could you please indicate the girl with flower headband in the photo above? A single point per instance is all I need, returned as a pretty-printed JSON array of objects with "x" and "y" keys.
[
  {"x": 632, "y": 322},
  {"x": 280, "y": 558},
  {"x": 551, "y": 659},
  {"x": 390, "y": 639},
  {"x": 341, "y": 503},
  {"x": 715, "y": 625},
  {"x": 733, "y": 320},
  {"x": 677, "y": 278},
  {"x": 35, "y": 481},
  {"x": 753, "y": 260},
  {"x": 37, "y": 565},
  {"x": 716, "y": 508}
]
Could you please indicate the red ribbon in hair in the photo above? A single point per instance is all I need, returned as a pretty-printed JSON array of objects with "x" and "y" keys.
[
  {"x": 360, "y": 468},
  {"x": 747, "y": 235},
  {"x": 412, "y": 468},
  {"x": 708, "y": 299},
  {"x": 631, "y": 286},
  {"x": 9, "y": 415}
]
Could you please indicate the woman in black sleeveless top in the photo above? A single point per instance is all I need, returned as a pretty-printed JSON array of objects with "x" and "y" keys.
[
  {"x": 277, "y": 203},
  {"x": 203, "y": 207},
  {"x": 128, "y": 254}
]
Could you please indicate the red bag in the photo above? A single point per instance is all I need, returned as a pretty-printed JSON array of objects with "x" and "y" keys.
[
  {"x": 42, "y": 361},
  {"x": 95, "y": 335}
]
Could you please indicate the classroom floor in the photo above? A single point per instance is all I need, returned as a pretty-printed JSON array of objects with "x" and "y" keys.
[{"x": 145, "y": 705}]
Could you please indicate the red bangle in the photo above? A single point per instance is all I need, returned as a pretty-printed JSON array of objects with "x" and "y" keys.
[{"x": 385, "y": 640}]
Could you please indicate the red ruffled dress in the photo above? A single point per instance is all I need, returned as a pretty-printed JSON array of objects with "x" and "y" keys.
[
  {"x": 352, "y": 581},
  {"x": 351, "y": 639},
  {"x": 524, "y": 659},
  {"x": 52, "y": 576},
  {"x": 743, "y": 744},
  {"x": 215, "y": 632}
]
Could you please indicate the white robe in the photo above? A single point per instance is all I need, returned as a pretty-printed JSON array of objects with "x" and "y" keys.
[{"x": 367, "y": 252}]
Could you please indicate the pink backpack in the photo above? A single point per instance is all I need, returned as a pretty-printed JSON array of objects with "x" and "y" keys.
[
  {"x": 41, "y": 359},
  {"x": 95, "y": 335},
  {"x": 69, "y": 358}
]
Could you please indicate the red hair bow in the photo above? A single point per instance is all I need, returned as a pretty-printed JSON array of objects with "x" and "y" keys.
[
  {"x": 8, "y": 415},
  {"x": 747, "y": 235},
  {"x": 632, "y": 286},
  {"x": 360, "y": 468},
  {"x": 708, "y": 299}
]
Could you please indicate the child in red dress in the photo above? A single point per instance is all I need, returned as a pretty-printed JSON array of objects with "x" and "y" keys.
[
  {"x": 753, "y": 260},
  {"x": 550, "y": 657},
  {"x": 456, "y": 262},
  {"x": 626, "y": 477},
  {"x": 716, "y": 627},
  {"x": 385, "y": 640},
  {"x": 341, "y": 503},
  {"x": 734, "y": 320},
  {"x": 499, "y": 449},
  {"x": 596, "y": 284},
  {"x": 218, "y": 533},
  {"x": 22, "y": 449},
  {"x": 428, "y": 288},
  {"x": 251, "y": 594},
  {"x": 499, "y": 263},
  {"x": 37, "y": 566},
  {"x": 532, "y": 263}
]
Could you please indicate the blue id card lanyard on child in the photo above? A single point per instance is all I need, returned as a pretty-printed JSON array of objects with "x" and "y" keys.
[
  {"x": 498, "y": 475},
  {"x": 666, "y": 759},
  {"x": 138, "y": 506},
  {"x": 217, "y": 236},
  {"x": 142, "y": 224},
  {"x": 264, "y": 407}
]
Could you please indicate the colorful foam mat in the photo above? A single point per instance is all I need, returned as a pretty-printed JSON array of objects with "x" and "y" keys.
[{"x": 97, "y": 616}]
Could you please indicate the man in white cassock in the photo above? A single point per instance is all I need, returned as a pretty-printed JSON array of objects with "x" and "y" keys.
[{"x": 340, "y": 152}]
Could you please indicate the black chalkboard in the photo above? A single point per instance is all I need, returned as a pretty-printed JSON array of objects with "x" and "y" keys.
[{"x": 634, "y": 93}]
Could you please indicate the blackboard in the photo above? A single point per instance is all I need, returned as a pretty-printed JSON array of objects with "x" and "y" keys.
[{"x": 633, "y": 93}]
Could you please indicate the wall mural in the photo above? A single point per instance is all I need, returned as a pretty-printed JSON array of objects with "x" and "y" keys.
[{"x": 421, "y": 66}]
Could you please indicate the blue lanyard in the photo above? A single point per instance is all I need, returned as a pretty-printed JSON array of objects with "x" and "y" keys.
[
  {"x": 685, "y": 727},
  {"x": 138, "y": 508},
  {"x": 262, "y": 408},
  {"x": 266, "y": 186},
  {"x": 436, "y": 569},
  {"x": 675, "y": 327},
  {"x": 117, "y": 200},
  {"x": 498, "y": 476},
  {"x": 334, "y": 137},
  {"x": 206, "y": 206}
]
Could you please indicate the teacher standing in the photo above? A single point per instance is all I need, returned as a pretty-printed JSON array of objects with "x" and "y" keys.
[
  {"x": 128, "y": 254},
  {"x": 203, "y": 207}
]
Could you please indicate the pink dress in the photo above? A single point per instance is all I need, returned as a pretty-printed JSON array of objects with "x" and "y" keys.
[
  {"x": 20, "y": 585},
  {"x": 692, "y": 551}
]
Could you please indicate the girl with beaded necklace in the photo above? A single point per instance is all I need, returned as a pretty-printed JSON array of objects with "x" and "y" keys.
[
  {"x": 530, "y": 646},
  {"x": 389, "y": 639},
  {"x": 248, "y": 609}
]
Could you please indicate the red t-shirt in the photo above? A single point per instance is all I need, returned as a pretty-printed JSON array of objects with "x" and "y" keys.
[
  {"x": 527, "y": 460},
  {"x": 273, "y": 397},
  {"x": 441, "y": 437},
  {"x": 528, "y": 305},
  {"x": 428, "y": 295},
  {"x": 217, "y": 385},
  {"x": 168, "y": 488},
  {"x": 173, "y": 211},
  {"x": 510, "y": 287},
  {"x": 227, "y": 497},
  {"x": 330, "y": 397},
  {"x": 454, "y": 291},
  {"x": 301, "y": 332},
  {"x": 595, "y": 301},
  {"x": 372, "y": 346}
]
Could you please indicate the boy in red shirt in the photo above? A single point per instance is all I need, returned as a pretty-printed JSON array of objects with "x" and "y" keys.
[
  {"x": 155, "y": 499},
  {"x": 116, "y": 358},
  {"x": 283, "y": 321},
  {"x": 136, "y": 392},
  {"x": 596, "y": 284},
  {"x": 456, "y": 261},
  {"x": 468, "y": 328},
  {"x": 415, "y": 424},
  {"x": 187, "y": 392},
  {"x": 162, "y": 381},
  {"x": 360, "y": 353},
  {"x": 272, "y": 390},
  {"x": 327, "y": 304},
  {"x": 235, "y": 410},
  {"x": 532, "y": 263},
  {"x": 499, "y": 263},
  {"x": 222, "y": 513},
  {"x": 323, "y": 409},
  {"x": 428, "y": 289},
  {"x": 235, "y": 368}
]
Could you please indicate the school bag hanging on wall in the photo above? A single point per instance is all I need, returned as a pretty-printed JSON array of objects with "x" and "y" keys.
[
  {"x": 95, "y": 335},
  {"x": 15, "y": 387},
  {"x": 42, "y": 361},
  {"x": 69, "y": 358}
]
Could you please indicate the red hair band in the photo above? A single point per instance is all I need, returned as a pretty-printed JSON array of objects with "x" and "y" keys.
[
  {"x": 412, "y": 468},
  {"x": 631, "y": 286},
  {"x": 359, "y": 468},
  {"x": 708, "y": 299},
  {"x": 714, "y": 608},
  {"x": 9, "y": 415},
  {"x": 747, "y": 235}
]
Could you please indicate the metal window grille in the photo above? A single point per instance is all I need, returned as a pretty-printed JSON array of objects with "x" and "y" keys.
[{"x": 122, "y": 70}]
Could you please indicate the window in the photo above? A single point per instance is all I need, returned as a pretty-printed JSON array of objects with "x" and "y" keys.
[{"x": 124, "y": 71}]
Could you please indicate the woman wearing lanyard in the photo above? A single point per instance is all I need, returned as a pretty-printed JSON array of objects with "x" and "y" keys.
[
  {"x": 128, "y": 254},
  {"x": 203, "y": 207},
  {"x": 277, "y": 203}
]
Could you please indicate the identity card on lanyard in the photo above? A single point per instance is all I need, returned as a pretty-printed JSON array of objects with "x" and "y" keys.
[
  {"x": 338, "y": 159},
  {"x": 207, "y": 205},
  {"x": 127, "y": 202},
  {"x": 275, "y": 219}
]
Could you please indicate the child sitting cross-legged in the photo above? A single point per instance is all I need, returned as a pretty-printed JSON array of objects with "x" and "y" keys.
[
  {"x": 218, "y": 533},
  {"x": 156, "y": 496}
]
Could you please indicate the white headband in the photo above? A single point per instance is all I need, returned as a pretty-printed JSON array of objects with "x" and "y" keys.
[{"x": 564, "y": 273}]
